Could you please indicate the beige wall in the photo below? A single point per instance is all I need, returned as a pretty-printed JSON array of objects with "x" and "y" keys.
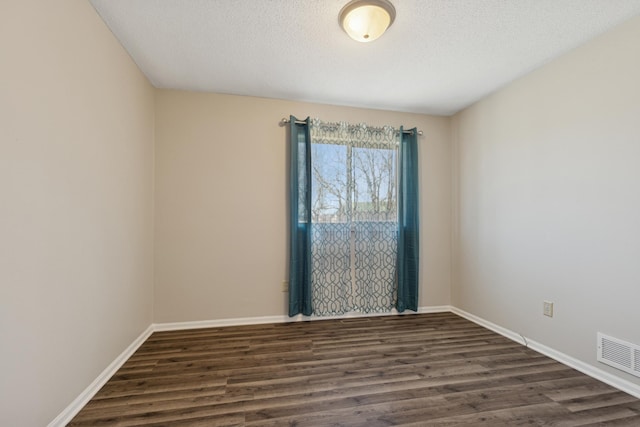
[
  {"x": 221, "y": 210},
  {"x": 548, "y": 199},
  {"x": 76, "y": 180}
]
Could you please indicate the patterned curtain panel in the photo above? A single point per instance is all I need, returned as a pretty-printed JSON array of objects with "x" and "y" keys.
[
  {"x": 331, "y": 288},
  {"x": 354, "y": 215},
  {"x": 375, "y": 265}
]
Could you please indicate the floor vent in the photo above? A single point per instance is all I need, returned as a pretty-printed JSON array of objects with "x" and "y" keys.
[{"x": 619, "y": 354}]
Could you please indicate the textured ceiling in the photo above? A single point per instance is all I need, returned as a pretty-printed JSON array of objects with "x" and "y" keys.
[{"x": 438, "y": 57}]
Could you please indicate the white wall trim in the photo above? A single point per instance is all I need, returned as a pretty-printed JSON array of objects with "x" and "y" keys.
[
  {"x": 587, "y": 369},
  {"x": 435, "y": 309},
  {"x": 72, "y": 410},
  {"x": 572, "y": 362},
  {"x": 491, "y": 326},
  {"x": 216, "y": 323}
]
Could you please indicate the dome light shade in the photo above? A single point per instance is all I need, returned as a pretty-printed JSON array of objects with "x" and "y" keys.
[{"x": 366, "y": 20}]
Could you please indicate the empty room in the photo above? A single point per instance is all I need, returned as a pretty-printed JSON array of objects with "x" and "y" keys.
[{"x": 319, "y": 212}]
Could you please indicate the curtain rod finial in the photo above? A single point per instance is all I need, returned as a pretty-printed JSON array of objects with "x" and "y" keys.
[{"x": 283, "y": 122}]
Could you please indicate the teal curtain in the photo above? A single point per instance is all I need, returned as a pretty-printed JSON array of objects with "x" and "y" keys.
[
  {"x": 300, "y": 217},
  {"x": 408, "y": 222}
]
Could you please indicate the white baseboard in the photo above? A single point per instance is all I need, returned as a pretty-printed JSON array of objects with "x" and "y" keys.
[
  {"x": 572, "y": 362},
  {"x": 585, "y": 368},
  {"x": 70, "y": 411},
  {"x": 216, "y": 323},
  {"x": 435, "y": 309},
  {"x": 491, "y": 326}
]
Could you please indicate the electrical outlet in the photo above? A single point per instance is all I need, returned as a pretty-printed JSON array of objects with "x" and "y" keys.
[
  {"x": 547, "y": 308},
  {"x": 285, "y": 286}
]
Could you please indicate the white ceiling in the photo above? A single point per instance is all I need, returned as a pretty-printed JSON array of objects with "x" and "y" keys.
[{"x": 438, "y": 57}]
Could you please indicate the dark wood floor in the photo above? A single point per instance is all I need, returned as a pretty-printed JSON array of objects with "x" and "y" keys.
[{"x": 416, "y": 370}]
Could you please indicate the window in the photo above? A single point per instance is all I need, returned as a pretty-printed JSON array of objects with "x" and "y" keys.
[{"x": 354, "y": 218}]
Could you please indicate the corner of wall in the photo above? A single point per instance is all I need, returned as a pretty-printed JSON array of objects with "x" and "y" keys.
[{"x": 455, "y": 206}]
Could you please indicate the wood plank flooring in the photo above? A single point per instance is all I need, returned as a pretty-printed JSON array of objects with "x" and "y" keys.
[{"x": 415, "y": 370}]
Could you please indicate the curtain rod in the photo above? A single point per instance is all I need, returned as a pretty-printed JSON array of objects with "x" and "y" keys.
[{"x": 300, "y": 122}]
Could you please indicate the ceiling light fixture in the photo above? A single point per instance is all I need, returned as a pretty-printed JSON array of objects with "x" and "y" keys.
[{"x": 366, "y": 20}]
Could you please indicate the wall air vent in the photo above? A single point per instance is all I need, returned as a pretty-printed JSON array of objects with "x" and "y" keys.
[{"x": 619, "y": 354}]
